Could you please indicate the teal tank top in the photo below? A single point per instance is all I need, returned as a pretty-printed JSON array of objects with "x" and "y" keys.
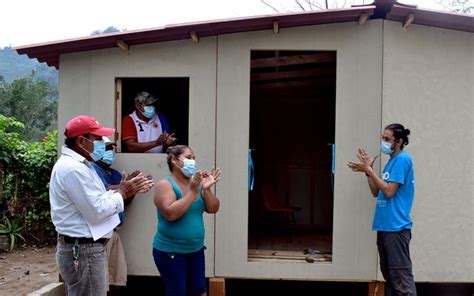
[{"x": 185, "y": 235}]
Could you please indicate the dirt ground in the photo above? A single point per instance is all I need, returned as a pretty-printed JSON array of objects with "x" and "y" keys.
[{"x": 25, "y": 270}]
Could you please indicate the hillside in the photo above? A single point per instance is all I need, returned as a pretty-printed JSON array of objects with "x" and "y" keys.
[{"x": 14, "y": 66}]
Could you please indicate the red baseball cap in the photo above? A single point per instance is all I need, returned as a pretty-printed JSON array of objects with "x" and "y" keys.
[{"x": 85, "y": 124}]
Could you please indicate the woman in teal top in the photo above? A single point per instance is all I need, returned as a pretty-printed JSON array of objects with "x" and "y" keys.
[
  {"x": 395, "y": 191},
  {"x": 181, "y": 199}
]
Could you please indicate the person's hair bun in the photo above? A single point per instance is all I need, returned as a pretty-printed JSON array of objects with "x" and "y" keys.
[{"x": 407, "y": 132}]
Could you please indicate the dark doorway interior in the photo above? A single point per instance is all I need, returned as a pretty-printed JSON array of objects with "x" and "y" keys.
[{"x": 292, "y": 128}]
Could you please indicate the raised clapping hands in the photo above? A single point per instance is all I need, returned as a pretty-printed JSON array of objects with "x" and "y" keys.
[
  {"x": 205, "y": 179},
  {"x": 134, "y": 184},
  {"x": 170, "y": 140},
  {"x": 196, "y": 181},
  {"x": 211, "y": 178},
  {"x": 366, "y": 162},
  {"x": 167, "y": 139}
]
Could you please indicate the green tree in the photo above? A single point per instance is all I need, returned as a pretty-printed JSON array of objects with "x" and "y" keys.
[
  {"x": 11, "y": 147},
  {"x": 32, "y": 102},
  {"x": 37, "y": 161},
  {"x": 25, "y": 170}
]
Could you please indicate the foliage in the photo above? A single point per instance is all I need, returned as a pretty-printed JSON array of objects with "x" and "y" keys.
[
  {"x": 13, "y": 230},
  {"x": 10, "y": 143},
  {"x": 37, "y": 163},
  {"x": 26, "y": 168},
  {"x": 28, "y": 110},
  {"x": 32, "y": 102}
]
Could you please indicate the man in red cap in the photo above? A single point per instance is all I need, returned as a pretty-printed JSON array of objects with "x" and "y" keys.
[{"x": 83, "y": 212}]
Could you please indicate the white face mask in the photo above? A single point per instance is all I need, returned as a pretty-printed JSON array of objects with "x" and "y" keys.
[
  {"x": 386, "y": 148},
  {"x": 149, "y": 111},
  {"x": 189, "y": 167},
  {"x": 98, "y": 150},
  {"x": 109, "y": 157}
]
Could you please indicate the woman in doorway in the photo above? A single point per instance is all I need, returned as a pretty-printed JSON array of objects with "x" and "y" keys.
[
  {"x": 395, "y": 192},
  {"x": 181, "y": 199}
]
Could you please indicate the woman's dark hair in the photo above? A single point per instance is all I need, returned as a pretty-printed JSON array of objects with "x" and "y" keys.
[
  {"x": 399, "y": 132},
  {"x": 175, "y": 151},
  {"x": 70, "y": 142}
]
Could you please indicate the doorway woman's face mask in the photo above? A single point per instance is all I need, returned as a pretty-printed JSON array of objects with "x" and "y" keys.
[{"x": 189, "y": 167}]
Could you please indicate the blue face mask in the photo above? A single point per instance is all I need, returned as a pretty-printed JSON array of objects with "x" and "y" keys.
[
  {"x": 386, "y": 148},
  {"x": 109, "y": 157},
  {"x": 189, "y": 167},
  {"x": 99, "y": 150},
  {"x": 149, "y": 111}
]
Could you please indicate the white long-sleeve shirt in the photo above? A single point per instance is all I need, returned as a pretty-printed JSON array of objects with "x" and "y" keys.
[{"x": 77, "y": 196}]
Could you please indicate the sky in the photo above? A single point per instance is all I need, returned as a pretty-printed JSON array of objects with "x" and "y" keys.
[{"x": 25, "y": 22}]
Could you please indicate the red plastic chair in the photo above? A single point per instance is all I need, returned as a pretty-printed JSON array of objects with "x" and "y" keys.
[{"x": 271, "y": 203}]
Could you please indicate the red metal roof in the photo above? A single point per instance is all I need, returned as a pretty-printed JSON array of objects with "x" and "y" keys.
[{"x": 50, "y": 52}]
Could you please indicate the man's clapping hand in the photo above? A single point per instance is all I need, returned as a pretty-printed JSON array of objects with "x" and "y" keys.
[{"x": 134, "y": 184}]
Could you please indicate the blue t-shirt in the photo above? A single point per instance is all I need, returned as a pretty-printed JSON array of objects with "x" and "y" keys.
[
  {"x": 113, "y": 178},
  {"x": 184, "y": 235},
  {"x": 393, "y": 213}
]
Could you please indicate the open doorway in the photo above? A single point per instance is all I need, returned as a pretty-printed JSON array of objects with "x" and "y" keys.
[{"x": 292, "y": 131}]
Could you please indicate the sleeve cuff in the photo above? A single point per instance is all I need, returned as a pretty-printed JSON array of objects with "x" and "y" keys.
[{"x": 117, "y": 197}]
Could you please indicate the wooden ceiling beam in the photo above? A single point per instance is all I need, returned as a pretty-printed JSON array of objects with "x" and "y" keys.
[
  {"x": 290, "y": 92},
  {"x": 122, "y": 45},
  {"x": 293, "y": 60},
  {"x": 276, "y": 27},
  {"x": 408, "y": 20},
  {"x": 292, "y": 74},
  {"x": 194, "y": 37},
  {"x": 293, "y": 84},
  {"x": 363, "y": 18}
]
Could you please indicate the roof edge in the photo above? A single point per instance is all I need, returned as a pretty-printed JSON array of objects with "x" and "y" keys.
[{"x": 49, "y": 52}]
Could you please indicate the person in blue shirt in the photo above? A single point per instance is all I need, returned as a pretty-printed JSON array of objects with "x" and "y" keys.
[
  {"x": 394, "y": 191},
  {"x": 178, "y": 246},
  {"x": 116, "y": 263}
]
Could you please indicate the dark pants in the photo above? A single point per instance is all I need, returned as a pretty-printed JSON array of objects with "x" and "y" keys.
[
  {"x": 395, "y": 262},
  {"x": 182, "y": 274}
]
